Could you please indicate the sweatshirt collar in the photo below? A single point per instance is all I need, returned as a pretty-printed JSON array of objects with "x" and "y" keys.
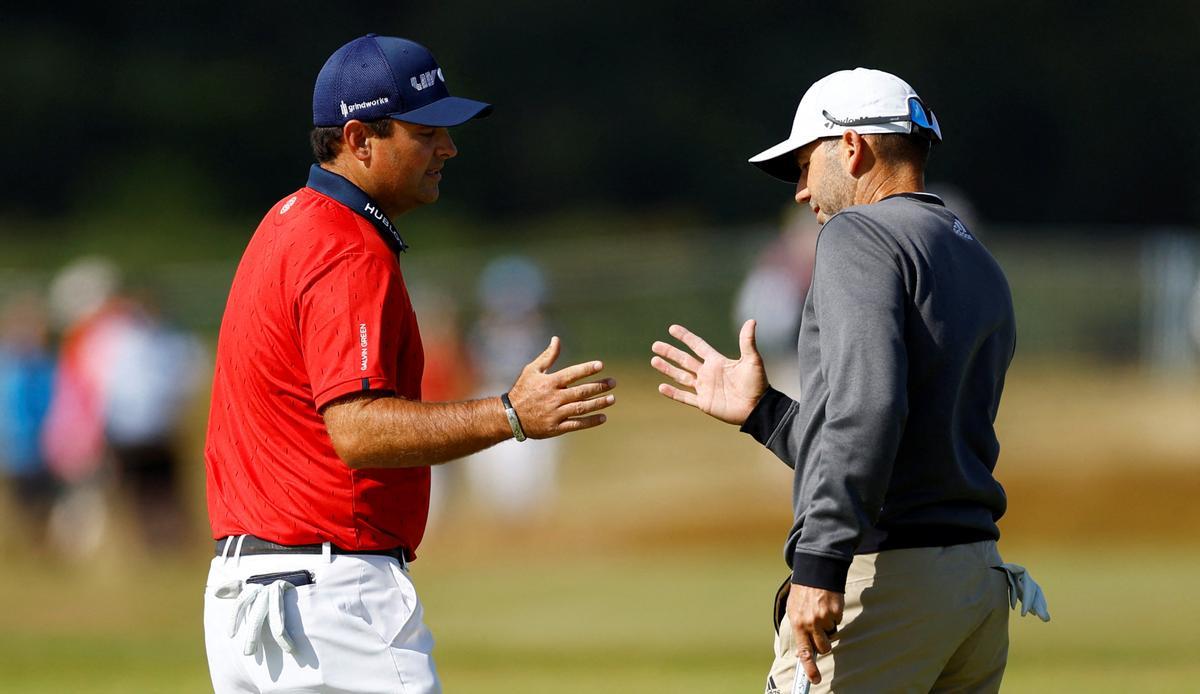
[{"x": 919, "y": 197}]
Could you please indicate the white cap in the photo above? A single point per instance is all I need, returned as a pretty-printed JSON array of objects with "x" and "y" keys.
[{"x": 866, "y": 101}]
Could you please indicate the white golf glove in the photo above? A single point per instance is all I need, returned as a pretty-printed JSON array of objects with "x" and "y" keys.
[
  {"x": 1022, "y": 588},
  {"x": 258, "y": 605}
]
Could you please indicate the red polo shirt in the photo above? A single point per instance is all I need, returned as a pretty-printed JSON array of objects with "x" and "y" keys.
[{"x": 318, "y": 309}]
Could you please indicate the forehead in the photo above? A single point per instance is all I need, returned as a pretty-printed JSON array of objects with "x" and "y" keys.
[
  {"x": 805, "y": 153},
  {"x": 411, "y": 127},
  {"x": 409, "y": 135},
  {"x": 405, "y": 129}
]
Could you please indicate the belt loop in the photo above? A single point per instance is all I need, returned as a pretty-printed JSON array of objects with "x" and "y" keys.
[
  {"x": 237, "y": 552},
  {"x": 404, "y": 561},
  {"x": 327, "y": 552},
  {"x": 225, "y": 549}
]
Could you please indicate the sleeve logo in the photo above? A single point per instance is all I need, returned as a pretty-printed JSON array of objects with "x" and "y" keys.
[{"x": 362, "y": 344}]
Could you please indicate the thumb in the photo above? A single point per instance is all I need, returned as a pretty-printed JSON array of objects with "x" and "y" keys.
[
  {"x": 546, "y": 359},
  {"x": 746, "y": 339}
]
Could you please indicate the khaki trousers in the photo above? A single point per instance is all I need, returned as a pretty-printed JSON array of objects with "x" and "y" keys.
[{"x": 929, "y": 619}]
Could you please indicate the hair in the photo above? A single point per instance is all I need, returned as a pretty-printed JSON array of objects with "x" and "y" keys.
[
  {"x": 327, "y": 141},
  {"x": 902, "y": 147}
]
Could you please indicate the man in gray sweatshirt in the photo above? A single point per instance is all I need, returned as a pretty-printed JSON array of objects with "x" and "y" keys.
[{"x": 906, "y": 335}]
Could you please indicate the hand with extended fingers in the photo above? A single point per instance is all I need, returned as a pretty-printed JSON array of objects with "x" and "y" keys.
[
  {"x": 725, "y": 388},
  {"x": 548, "y": 404}
]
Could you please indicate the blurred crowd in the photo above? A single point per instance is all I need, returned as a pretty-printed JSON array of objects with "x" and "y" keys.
[
  {"x": 93, "y": 386},
  {"x": 96, "y": 387},
  {"x": 515, "y": 482}
]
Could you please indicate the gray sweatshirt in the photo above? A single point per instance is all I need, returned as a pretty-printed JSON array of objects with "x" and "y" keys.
[{"x": 907, "y": 333}]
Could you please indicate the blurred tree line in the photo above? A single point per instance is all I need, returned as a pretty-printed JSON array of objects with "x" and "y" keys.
[{"x": 1053, "y": 112}]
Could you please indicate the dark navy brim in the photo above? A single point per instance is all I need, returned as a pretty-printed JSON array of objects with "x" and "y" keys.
[{"x": 443, "y": 113}]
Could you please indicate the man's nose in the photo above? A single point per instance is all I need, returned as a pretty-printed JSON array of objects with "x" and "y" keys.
[
  {"x": 802, "y": 194},
  {"x": 446, "y": 148}
]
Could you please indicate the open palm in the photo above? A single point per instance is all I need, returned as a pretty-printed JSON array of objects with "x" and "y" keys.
[{"x": 725, "y": 388}]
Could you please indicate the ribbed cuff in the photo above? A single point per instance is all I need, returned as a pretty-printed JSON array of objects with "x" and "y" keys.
[
  {"x": 820, "y": 572},
  {"x": 764, "y": 419}
]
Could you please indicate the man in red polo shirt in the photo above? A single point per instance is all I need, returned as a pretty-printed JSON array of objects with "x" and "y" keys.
[{"x": 319, "y": 448}]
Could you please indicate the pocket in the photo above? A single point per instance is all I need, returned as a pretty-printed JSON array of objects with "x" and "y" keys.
[
  {"x": 387, "y": 599},
  {"x": 406, "y": 592},
  {"x": 781, "y": 598}
]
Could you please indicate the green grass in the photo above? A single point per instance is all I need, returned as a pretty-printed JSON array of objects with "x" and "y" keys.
[
  {"x": 1123, "y": 619},
  {"x": 655, "y": 569},
  {"x": 568, "y": 621}
]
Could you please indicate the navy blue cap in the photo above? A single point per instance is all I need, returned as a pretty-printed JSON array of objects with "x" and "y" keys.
[{"x": 376, "y": 77}]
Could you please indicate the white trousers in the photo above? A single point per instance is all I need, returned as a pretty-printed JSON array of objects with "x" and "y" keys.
[{"x": 358, "y": 627}]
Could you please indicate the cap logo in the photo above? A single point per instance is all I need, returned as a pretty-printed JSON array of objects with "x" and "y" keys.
[
  {"x": 426, "y": 79},
  {"x": 347, "y": 109}
]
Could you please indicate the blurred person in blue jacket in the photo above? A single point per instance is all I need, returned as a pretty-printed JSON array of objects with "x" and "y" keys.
[{"x": 26, "y": 383}]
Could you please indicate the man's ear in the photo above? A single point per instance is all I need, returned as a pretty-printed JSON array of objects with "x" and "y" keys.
[
  {"x": 356, "y": 138},
  {"x": 857, "y": 154}
]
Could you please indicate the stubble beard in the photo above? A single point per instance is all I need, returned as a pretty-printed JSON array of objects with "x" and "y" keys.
[{"x": 838, "y": 187}]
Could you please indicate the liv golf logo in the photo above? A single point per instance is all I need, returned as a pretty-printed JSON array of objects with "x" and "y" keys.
[{"x": 425, "y": 80}]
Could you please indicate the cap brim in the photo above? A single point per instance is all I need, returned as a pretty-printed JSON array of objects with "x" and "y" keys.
[
  {"x": 446, "y": 112},
  {"x": 780, "y": 160}
]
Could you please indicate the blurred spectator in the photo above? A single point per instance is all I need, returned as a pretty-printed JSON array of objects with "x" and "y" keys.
[
  {"x": 1196, "y": 314},
  {"x": 122, "y": 382},
  {"x": 154, "y": 373},
  {"x": 514, "y": 478},
  {"x": 26, "y": 381},
  {"x": 448, "y": 375},
  {"x": 84, "y": 310},
  {"x": 773, "y": 293}
]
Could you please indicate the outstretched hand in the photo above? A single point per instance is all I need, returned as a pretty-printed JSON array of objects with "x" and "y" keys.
[
  {"x": 550, "y": 403},
  {"x": 724, "y": 388}
]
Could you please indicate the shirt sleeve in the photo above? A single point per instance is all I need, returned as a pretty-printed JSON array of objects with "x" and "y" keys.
[
  {"x": 770, "y": 422},
  {"x": 351, "y": 326},
  {"x": 860, "y": 303}
]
